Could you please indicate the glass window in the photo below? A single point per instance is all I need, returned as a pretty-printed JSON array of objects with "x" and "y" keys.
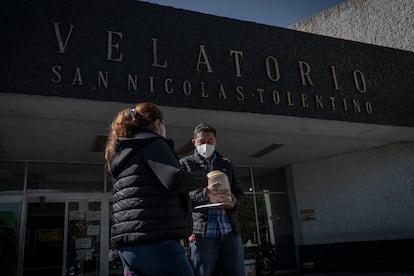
[
  {"x": 44, "y": 238},
  {"x": 11, "y": 177},
  {"x": 269, "y": 179},
  {"x": 108, "y": 178},
  {"x": 65, "y": 177},
  {"x": 244, "y": 176},
  {"x": 255, "y": 215},
  {"x": 248, "y": 220},
  {"x": 280, "y": 214},
  {"x": 83, "y": 250},
  {"x": 115, "y": 263}
]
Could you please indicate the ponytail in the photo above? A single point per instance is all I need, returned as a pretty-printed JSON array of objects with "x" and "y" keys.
[{"x": 128, "y": 121}]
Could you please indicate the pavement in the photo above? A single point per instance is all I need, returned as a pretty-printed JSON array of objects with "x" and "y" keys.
[
  {"x": 295, "y": 273},
  {"x": 356, "y": 274}
]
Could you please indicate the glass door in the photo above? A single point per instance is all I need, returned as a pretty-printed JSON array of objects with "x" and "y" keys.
[
  {"x": 44, "y": 238},
  {"x": 265, "y": 216},
  {"x": 10, "y": 209},
  {"x": 63, "y": 235},
  {"x": 83, "y": 249}
]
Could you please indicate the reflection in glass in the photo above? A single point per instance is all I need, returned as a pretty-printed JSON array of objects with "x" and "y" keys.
[
  {"x": 244, "y": 176},
  {"x": 269, "y": 179},
  {"x": 44, "y": 238},
  {"x": 248, "y": 220},
  {"x": 83, "y": 244},
  {"x": 11, "y": 177},
  {"x": 65, "y": 177},
  {"x": 9, "y": 225},
  {"x": 265, "y": 214},
  {"x": 115, "y": 264}
]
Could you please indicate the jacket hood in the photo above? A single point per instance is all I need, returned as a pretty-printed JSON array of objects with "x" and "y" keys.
[{"x": 127, "y": 146}]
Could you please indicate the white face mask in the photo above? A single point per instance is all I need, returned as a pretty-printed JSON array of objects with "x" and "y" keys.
[{"x": 205, "y": 150}]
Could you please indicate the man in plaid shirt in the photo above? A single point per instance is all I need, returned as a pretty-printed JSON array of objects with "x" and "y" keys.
[{"x": 216, "y": 230}]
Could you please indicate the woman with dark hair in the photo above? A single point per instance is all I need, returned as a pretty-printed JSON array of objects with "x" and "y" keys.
[{"x": 151, "y": 210}]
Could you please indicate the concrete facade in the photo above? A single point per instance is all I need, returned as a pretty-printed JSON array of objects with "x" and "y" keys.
[
  {"x": 381, "y": 22},
  {"x": 348, "y": 180},
  {"x": 363, "y": 196}
]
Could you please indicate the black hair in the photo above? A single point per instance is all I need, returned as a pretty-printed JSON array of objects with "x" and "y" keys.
[{"x": 204, "y": 127}]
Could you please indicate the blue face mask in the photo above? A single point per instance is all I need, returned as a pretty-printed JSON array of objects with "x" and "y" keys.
[{"x": 205, "y": 150}]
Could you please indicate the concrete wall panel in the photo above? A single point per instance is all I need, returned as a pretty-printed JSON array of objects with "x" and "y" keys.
[
  {"x": 361, "y": 196},
  {"x": 388, "y": 23}
]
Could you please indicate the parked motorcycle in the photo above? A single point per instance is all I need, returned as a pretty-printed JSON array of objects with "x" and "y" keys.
[{"x": 266, "y": 260}]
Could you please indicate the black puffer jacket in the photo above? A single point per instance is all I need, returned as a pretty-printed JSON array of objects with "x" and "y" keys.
[
  {"x": 150, "y": 191},
  {"x": 196, "y": 163}
]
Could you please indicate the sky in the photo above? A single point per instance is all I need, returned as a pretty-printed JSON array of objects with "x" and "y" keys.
[{"x": 280, "y": 13}]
